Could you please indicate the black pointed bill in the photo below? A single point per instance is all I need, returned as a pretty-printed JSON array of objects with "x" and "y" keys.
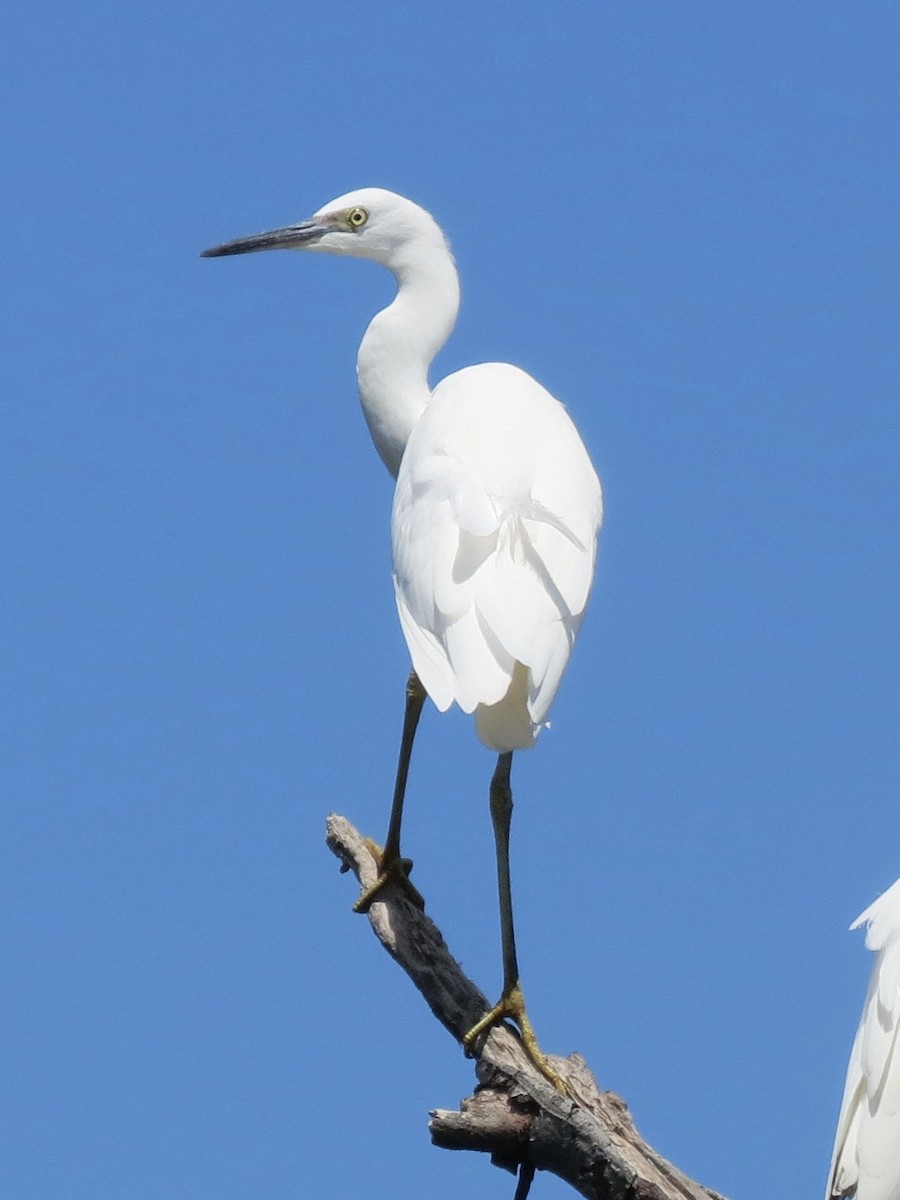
[{"x": 290, "y": 237}]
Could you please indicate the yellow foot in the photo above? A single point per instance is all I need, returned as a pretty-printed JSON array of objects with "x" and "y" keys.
[
  {"x": 512, "y": 1005},
  {"x": 395, "y": 871}
]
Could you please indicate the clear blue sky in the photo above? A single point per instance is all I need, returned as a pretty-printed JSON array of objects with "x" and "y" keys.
[{"x": 682, "y": 218}]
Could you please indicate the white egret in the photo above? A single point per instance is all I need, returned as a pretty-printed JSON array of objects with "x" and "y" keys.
[
  {"x": 494, "y": 524},
  {"x": 865, "y": 1162}
]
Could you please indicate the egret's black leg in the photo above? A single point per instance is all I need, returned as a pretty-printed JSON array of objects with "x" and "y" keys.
[
  {"x": 501, "y": 819},
  {"x": 511, "y": 1003},
  {"x": 392, "y": 868}
]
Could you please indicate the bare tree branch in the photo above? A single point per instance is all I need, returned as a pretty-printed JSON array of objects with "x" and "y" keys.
[{"x": 586, "y": 1138}]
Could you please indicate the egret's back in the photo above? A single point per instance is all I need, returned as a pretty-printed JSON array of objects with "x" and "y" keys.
[
  {"x": 865, "y": 1162},
  {"x": 494, "y": 531}
]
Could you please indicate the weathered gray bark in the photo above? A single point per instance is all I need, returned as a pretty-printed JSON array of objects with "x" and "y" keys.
[{"x": 586, "y": 1138}]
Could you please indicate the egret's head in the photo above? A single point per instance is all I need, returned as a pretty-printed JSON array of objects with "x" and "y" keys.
[{"x": 368, "y": 223}]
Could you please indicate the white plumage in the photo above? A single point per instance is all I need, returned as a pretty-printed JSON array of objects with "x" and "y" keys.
[
  {"x": 865, "y": 1163},
  {"x": 493, "y": 531},
  {"x": 497, "y": 506},
  {"x": 494, "y": 525}
]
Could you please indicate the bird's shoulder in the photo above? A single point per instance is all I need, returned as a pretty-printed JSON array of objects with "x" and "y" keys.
[
  {"x": 495, "y": 388},
  {"x": 882, "y": 918},
  {"x": 501, "y": 429}
]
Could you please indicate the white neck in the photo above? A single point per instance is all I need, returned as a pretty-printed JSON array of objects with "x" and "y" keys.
[{"x": 399, "y": 345}]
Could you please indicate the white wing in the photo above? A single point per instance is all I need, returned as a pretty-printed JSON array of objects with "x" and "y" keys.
[
  {"x": 865, "y": 1162},
  {"x": 494, "y": 531}
]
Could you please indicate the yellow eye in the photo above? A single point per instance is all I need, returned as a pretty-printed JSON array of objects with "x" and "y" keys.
[{"x": 357, "y": 217}]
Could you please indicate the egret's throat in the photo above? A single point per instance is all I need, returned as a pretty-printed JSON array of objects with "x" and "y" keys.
[{"x": 398, "y": 348}]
